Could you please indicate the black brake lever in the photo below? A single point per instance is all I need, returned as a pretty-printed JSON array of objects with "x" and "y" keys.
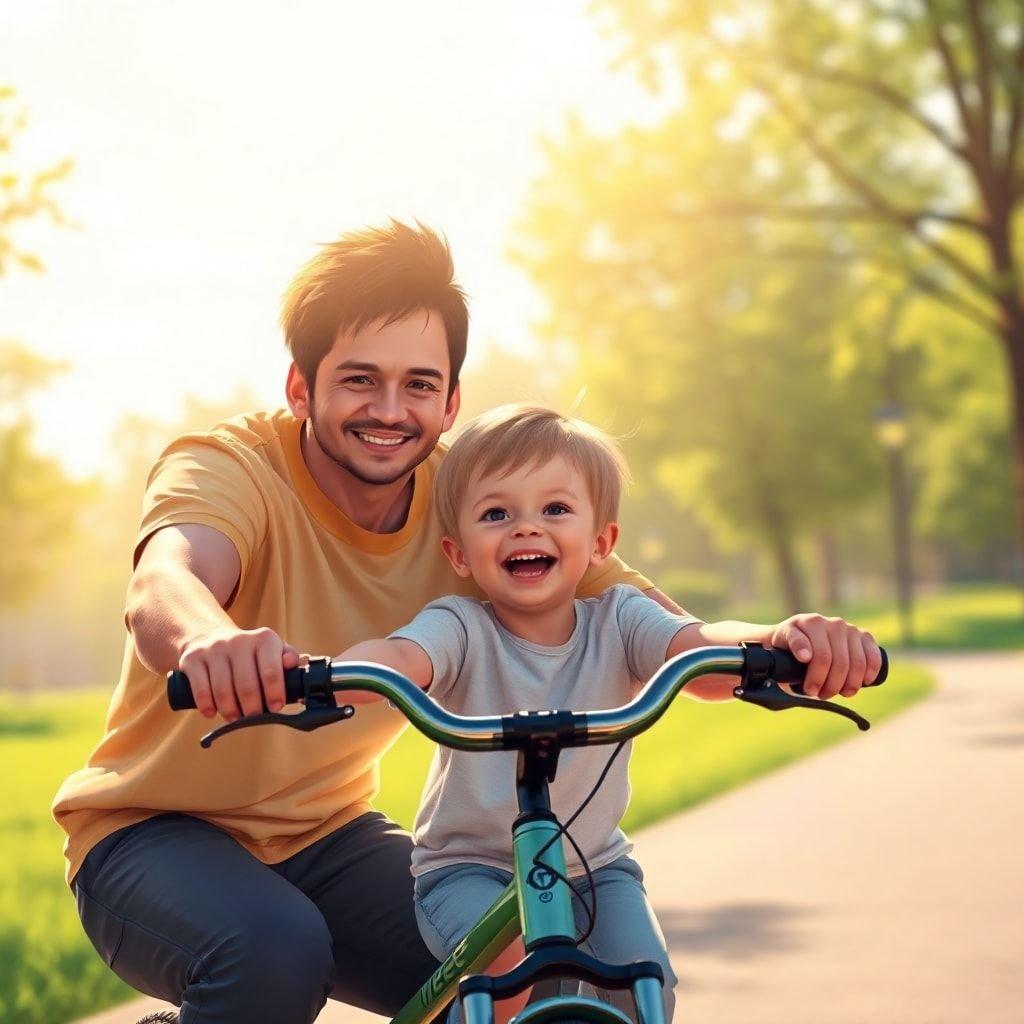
[
  {"x": 768, "y": 694},
  {"x": 318, "y": 713}
]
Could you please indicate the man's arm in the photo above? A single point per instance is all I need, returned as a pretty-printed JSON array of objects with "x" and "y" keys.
[
  {"x": 185, "y": 577},
  {"x": 665, "y": 601}
]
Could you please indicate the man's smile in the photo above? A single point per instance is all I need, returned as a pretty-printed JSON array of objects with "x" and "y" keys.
[{"x": 380, "y": 441}]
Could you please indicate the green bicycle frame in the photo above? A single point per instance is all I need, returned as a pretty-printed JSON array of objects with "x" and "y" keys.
[{"x": 537, "y": 905}]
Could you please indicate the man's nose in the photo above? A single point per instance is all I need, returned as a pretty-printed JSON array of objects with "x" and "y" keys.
[{"x": 387, "y": 406}]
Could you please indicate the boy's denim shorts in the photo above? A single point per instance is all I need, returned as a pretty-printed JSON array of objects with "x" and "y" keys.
[{"x": 450, "y": 900}]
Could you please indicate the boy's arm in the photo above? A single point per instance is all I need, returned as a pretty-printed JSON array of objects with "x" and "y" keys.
[
  {"x": 402, "y": 655},
  {"x": 840, "y": 658}
]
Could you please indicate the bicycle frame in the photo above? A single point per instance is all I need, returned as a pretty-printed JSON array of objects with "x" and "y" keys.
[{"x": 537, "y": 906}]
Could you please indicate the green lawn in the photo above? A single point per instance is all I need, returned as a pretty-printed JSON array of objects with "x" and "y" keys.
[
  {"x": 49, "y": 974},
  {"x": 976, "y": 616}
]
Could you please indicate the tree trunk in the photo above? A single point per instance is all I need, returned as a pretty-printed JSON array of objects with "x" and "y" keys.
[
  {"x": 828, "y": 556},
  {"x": 1011, "y": 329},
  {"x": 780, "y": 541},
  {"x": 1013, "y": 336}
]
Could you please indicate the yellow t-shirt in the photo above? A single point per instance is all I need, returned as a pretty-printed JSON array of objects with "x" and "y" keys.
[{"x": 318, "y": 580}]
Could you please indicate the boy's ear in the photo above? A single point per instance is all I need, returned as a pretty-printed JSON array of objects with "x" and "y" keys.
[
  {"x": 454, "y": 554},
  {"x": 604, "y": 543}
]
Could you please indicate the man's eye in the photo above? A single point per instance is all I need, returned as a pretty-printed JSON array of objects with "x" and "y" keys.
[
  {"x": 494, "y": 515},
  {"x": 422, "y": 385},
  {"x": 358, "y": 379},
  {"x": 556, "y": 508}
]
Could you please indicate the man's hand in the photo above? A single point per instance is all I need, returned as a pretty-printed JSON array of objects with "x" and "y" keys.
[
  {"x": 840, "y": 657},
  {"x": 234, "y": 671}
]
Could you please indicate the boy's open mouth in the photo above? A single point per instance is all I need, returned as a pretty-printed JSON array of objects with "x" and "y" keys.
[{"x": 529, "y": 566}]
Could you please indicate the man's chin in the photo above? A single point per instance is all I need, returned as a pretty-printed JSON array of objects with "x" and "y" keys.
[{"x": 367, "y": 471}]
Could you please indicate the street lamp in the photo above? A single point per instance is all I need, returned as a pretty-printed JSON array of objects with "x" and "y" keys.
[{"x": 891, "y": 433}]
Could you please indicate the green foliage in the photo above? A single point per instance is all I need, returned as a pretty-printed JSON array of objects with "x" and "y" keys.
[
  {"x": 49, "y": 973},
  {"x": 22, "y": 196},
  {"x": 38, "y": 503},
  {"x": 704, "y": 594}
]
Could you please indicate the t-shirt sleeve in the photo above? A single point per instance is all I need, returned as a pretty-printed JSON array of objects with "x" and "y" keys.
[
  {"x": 200, "y": 481},
  {"x": 598, "y": 578},
  {"x": 441, "y": 630},
  {"x": 646, "y": 629}
]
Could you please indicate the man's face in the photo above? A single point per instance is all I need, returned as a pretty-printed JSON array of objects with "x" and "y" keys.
[{"x": 380, "y": 401}]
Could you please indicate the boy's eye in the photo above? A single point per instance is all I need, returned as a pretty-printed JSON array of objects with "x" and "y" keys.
[
  {"x": 556, "y": 508},
  {"x": 358, "y": 379},
  {"x": 494, "y": 515},
  {"x": 422, "y": 385}
]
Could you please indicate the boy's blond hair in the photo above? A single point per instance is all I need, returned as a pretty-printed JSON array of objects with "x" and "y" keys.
[{"x": 511, "y": 437}]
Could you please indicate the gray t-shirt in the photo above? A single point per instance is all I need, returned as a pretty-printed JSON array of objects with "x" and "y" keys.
[{"x": 480, "y": 668}]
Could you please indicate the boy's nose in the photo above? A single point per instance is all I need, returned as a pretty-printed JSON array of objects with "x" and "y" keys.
[{"x": 526, "y": 528}]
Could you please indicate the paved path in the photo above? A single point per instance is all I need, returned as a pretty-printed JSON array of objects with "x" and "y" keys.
[{"x": 878, "y": 882}]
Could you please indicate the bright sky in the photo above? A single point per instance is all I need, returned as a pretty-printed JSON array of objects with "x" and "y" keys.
[{"x": 216, "y": 142}]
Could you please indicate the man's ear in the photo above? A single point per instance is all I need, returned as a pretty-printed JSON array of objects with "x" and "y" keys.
[
  {"x": 451, "y": 410},
  {"x": 454, "y": 554},
  {"x": 604, "y": 543},
  {"x": 298, "y": 393}
]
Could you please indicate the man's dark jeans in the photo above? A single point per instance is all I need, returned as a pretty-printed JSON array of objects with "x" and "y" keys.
[{"x": 179, "y": 910}]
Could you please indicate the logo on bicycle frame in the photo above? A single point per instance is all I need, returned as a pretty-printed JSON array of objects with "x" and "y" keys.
[{"x": 541, "y": 878}]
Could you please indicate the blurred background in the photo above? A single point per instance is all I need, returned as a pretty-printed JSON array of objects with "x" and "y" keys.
[{"x": 774, "y": 245}]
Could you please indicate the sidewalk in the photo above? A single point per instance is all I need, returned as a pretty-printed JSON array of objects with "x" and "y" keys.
[{"x": 877, "y": 881}]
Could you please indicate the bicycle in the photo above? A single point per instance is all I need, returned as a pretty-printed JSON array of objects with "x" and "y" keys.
[{"x": 538, "y": 902}]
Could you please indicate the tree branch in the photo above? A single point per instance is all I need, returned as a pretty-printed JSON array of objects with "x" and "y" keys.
[
  {"x": 983, "y": 74},
  {"x": 875, "y": 200},
  {"x": 956, "y": 85},
  {"x": 968, "y": 310},
  {"x": 835, "y": 212},
  {"x": 1015, "y": 87},
  {"x": 880, "y": 90}
]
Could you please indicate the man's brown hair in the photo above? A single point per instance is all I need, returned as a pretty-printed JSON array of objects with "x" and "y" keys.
[
  {"x": 515, "y": 436},
  {"x": 388, "y": 272}
]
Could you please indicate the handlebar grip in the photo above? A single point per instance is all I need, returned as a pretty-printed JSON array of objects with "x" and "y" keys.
[
  {"x": 180, "y": 697},
  {"x": 788, "y": 670}
]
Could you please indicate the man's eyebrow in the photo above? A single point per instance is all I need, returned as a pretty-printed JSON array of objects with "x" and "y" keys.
[{"x": 415, "y": 371}]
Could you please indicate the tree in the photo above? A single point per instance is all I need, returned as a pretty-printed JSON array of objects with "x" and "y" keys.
[
  {"x": 23, "y": 196},
  {"x": 739, "y": 376},
  {"x": 38, "y": 504},
  {"x": 910, "y": 112}
]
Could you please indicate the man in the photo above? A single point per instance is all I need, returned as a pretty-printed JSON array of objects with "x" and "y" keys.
[{"x": 253, "y": 880}]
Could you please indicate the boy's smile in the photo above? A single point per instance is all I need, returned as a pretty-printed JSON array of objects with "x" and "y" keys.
[{"x": 527, "y": 536}]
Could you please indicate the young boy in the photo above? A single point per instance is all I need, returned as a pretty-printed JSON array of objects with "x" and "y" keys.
[{"x": 528, "y": 500}]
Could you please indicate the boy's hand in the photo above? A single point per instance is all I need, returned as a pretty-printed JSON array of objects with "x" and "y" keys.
[{"x": 840, "y": 658}]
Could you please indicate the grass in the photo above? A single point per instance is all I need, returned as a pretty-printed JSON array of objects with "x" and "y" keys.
[
  {"x": 978, "y": 616},
  {"x": 49, "y": 973},
  {"x": 982, "y": 616}
]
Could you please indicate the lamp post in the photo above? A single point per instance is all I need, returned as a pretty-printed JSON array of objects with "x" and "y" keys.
[{"x": 891, "y": 433}]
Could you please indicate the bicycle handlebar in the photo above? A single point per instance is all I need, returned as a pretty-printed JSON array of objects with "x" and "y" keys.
[{"x": 321, "y": 677}]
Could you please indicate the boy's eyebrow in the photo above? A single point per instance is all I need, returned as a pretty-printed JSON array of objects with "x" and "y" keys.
[
  {"x": 502, "y": 495},
  {"x": 414, "y": 371}
]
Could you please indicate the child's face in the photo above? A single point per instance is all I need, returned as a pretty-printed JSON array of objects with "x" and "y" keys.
[{"x": 527, "y": 538}]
